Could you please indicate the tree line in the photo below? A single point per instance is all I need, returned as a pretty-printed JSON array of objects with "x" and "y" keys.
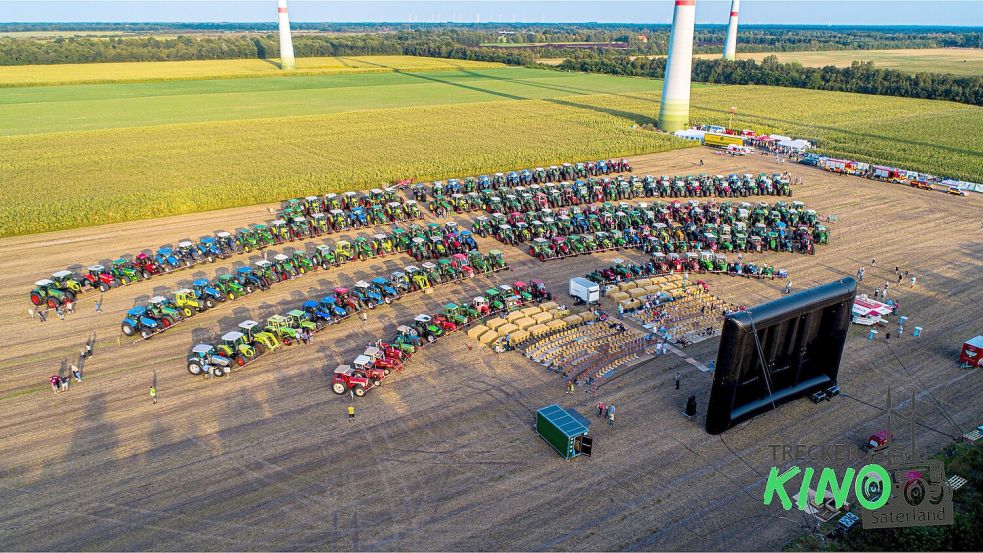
[
  {"x": 200, "y": 41},
  {"x": 861, "y": 77}
]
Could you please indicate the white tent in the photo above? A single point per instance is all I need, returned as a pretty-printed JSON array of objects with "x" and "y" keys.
[
  {"x": 798, "y": 144},
  {"x": 779, "y": 137}
]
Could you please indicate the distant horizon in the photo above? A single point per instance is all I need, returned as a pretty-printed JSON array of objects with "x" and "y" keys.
[
  {"x": 910, "y": 13},
  {"x": 489, "y": 23}
]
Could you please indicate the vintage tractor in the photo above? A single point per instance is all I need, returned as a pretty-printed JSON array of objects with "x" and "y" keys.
[
  {"x": 204, "y": 356},
  {"x": 236, "y": 347},
  {"x": 407, "y": 338},
  {"x": 348, "y": 301},
  {"x": 138, "y": 321},
  {"x": 540, "y": 248},
  {"x": 460, "y": 263},
  {"x": 494, "y": 299},
  {"x": 345, "y": 378},
  {"x": 455, "y": 314},
  {"x": 365, "y": 366},
  {"x": 279, "y": 326},
  {"x": 426, "y": 328},
  {"x": 496, "y": 260},
  {"x": 301, "y": 320},
  {"x": 820, "y": 234},
  {"x": 48, "y": 292},
  {"x": 477, "y": 262},
  {"x": 188, "y": 302},
  {"x": 385, "y": 357},
  {"x": 230, "y": 285}
]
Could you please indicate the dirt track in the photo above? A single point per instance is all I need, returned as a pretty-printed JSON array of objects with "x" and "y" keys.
[{"x": 443, "y": 457}]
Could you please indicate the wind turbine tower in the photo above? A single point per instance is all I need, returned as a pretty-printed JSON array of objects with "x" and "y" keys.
[
  {"x": 730, "y": 44},
  {"x": 674, "y": 108},
  {"x": 286, "y": 45}
]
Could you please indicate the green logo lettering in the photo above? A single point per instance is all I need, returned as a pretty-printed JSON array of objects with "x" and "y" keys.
[
  {"x": 839, "y": 491},
  {"x": 860, "y": 485},
  {"x": 776, "y": 484}
]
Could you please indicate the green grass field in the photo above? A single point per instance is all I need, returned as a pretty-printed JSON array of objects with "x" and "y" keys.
[
  {"x": 958, "y": 61},
  {"x": 91, "y": 154},
  {"x": 92, "y": 73}
]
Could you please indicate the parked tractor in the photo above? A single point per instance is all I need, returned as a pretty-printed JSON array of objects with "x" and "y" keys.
[
  {"x": 231, "y": 286},
  {"x": 188, "y": 302},
  {"x": 204, "y": 356},
  {"x": 280, "y": 326},
  {"x": 48, "y": 292},
  {"x": 365, "y": 366},
  {"x": 300, "y": 320},
  {"x": 139, "y": 321},
  {"x": 207, "y": 293},
  {"x": 100, "y": 278},
  {"x": 257, "y": 337},
  {"x": 236, "y": 347},
  {"x": 345, "y": 378},
  {"x": 164, "y": 310},
  {"x": 426, "y": 328}
]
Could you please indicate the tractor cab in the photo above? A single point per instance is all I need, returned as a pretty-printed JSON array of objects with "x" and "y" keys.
[
  {"x": 480, "y": 304},
  {"x": 234, "y": 346},
  {"x": 383, "y": 287},
  {"x": 367, "y": 365},
  {"x": 427, "y": 329},
  {"x": 345, "y": 378},
  {"x": 369, "y": 296},
  {"x": 879, "y": 441},
  {"x": 68, "y": 280},
  {"x": 164, "y": 310},
  {"x": 331, "y": 306},
  {"x": 204, "y": 356}
]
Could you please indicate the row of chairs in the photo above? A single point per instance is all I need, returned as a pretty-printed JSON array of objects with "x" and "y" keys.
[{"x": 549, "y": 346}]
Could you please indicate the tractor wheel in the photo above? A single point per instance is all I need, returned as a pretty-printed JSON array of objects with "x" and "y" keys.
[
  {"x": 388, "y": 300},
  {"x": 387, "y": 372},
  {"x": 249, "y": 289},
  {"x": 338, "y": 388},
  {"x": 53, "y": 303},
  {"x": 70, "y": 295},
  {"x": 209, "y": 303},
  {"x": 128, "y": 330},
  {"x": 377, "y": 382},
  {"x": 301, "y": 270},
  {"x": 146, "y": 333},
  {"x": 167, "y": 322},
  {"x": 194, "y": 368},
  {"x": 287, "y": 341},
  {"x": 36, "y": 299},
  {"x": 240, "y": 360},
  {"x": 284, "y": 276},
  {"x": 188, "y": 312},
  {"x": 211, "y": 259},
  {"x": 232, "y": 295},
  {"x": 359, "y": 390},
  {"x": 218, "y": 371},
  {"x": 123, "y": 280},
  {"x": 431, "y": 338},
  {"x": 147, "y": 275}
]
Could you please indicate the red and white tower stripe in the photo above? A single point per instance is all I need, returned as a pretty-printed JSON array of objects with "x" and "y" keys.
[
  {"x": 674, "y": 108},
  {"x": 730, "y": 45},
  {"x": 286, "y": 45}
]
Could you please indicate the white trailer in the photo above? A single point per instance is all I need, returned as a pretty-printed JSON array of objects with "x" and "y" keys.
[{"x": 584, "y": 289}]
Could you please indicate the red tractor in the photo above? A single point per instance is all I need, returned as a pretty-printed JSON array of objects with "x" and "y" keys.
[
  {"x": 146, "y": 265},
  {"x": 100, "y": 277},
  {"x": 366, "y": 366},
  {"x": 444, "y": 323},
  {"x": 539, "y": 291},
  {"x": 390, "y": 351},
  {"x": 383, "y": 360},
  {"x": 345, "y": 378}
]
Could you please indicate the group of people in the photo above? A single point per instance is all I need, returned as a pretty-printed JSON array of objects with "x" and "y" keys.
[
  {"x": 606, "y": 411},
  {"x": 60, "y": 383},
  {"x": 65, "y": 309}
]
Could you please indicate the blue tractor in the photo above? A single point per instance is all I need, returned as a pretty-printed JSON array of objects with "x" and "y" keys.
[
  {"x": 467, "y": 240},
  {"x": 165, "y": 257},
  {"x": 210, "y": 249},
  {"x": 317, "y": 312},
  {"x": 250, "y": 280},
  {"x": 330, "y": 305},
  {"x": 368, "y": 295},
  {"x": 383, "y": 287},
  {"x": 207, "y": 293},
  {"x": 357, "y": 217},
  {"x": 139, "y": 321}
]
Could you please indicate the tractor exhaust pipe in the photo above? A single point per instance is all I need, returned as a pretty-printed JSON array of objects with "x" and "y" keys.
[
  {"x": 730, "y": 44},
  {"x": 286, "y": 45},
  {"x": 674, "y": 108}
]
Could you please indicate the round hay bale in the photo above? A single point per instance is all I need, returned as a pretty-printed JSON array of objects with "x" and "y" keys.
[
  {"x": 477, "y": 331},
  {"x": 495, "y": 322},
  {"x": 573, "y": 320},
  {"x": 548, "y": 306},
  {"x": 525, "y": 323},
  {"x": 488, "y": 337}
]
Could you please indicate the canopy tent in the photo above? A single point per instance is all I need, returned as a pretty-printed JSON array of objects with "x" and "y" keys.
[
  {"x": 798, "y": 144},
  {"x": 866, "y": 307},
  {"x": 690, "y": 134}
]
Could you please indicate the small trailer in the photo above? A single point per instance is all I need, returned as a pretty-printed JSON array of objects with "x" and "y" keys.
[
  {"x": 586, "y": 290},
  {"x": 565, "y": 430}
]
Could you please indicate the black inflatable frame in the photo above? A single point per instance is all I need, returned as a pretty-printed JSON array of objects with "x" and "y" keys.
[{"x": 800, "y": 337}]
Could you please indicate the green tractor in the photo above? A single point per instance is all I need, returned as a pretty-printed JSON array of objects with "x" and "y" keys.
[
  {"x": 68, "y": 280},
  {"x": 188, "y": 302},
  {"x": 162, "y": 309},
  {"x": 126, "y": 273},
  {"x": 230, "y": 286},
  {"x": 325, "y": 257},
  {"x": 494, "y": 297},
  {"x": 236, "y": 347},
  {"x": 344, "y": 252},
  {"x": 302, "y": 320},
  {"x": 258, "y": 338},
  {"x": 303, "y": 263},
  {"x": 48, "y": 292},
  {"x": 280, "y": 326},
  {"x": 456, "y": 314},
  {"x": 496, "y": 260},
  {"x": 820, "y": 235},
  {"x": 476, "y": 260},
  {"x": 418, "y": 278}
]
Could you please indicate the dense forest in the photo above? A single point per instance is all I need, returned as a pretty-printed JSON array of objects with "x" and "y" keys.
[
  {"x": 159, "y": 42},
  {"x": 861, "y": 77}
]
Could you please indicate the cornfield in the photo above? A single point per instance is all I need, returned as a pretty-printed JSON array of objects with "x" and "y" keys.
[{"x": 93, "y": 73}]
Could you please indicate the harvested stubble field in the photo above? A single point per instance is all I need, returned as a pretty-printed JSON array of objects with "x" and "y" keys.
[
  {"x": 118, "y": 152},
  {"x": 958, "y": 61},
  {"x": 443, "y": 456}
]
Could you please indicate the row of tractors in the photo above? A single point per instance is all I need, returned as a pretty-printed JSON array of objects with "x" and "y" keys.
[
  {"x": 370, "y": 369},
  {"x": 566, "y": 194},
  {"x": 252, "y": 339},
  {"x": 674, "y": 228},
  {"x": 691, "y": 262},
  {"x": 431, "y": 242},
  {"x": 160, "y": 313},
  {"x": 334, "y": 212}
]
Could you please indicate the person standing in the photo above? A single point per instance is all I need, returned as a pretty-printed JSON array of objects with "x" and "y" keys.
[
  {"x": 351, "y": 412},
  {"x": 912, "y": 282},
  {"x": 877, "y": 292},
  {"x": 571, "y": 388},
  {"x": 76, "y": 373},
  {"x": 600, "y": 408},
  {"x": 365, "y": 318},
  {"x": 41, "y": 315},
  {"x": 153, "y": 394},
  {"x": 99, "y": 304},
  {"x": 88, "y": 350},
  {"x": 678, "y": 378},
  {"x": 60, "y": 312},
  {"x": 611, "y": 415},
  {"x": 55, "y": 383}
]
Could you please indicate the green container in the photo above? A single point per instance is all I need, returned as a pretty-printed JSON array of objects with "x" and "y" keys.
[{"x": 562, "y": 429}]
